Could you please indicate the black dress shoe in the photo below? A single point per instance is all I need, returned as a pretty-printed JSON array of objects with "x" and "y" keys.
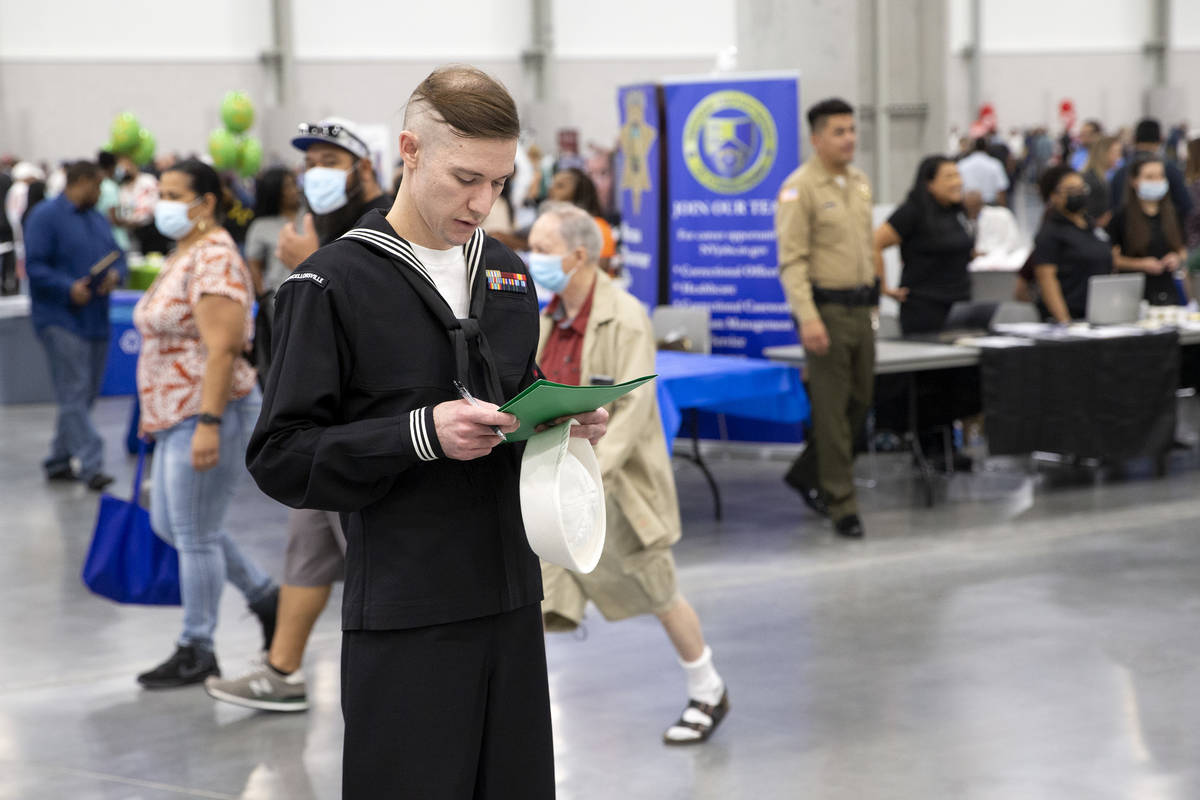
[
  {"x": 849, "y": 527},
  {"x": 809, "y": 494},
  {"x": 62, "y": 474},
  {"x": 99, "y": 482},
  {"x": 186, "y": 666}
]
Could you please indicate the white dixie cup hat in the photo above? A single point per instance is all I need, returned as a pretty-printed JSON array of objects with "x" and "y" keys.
[{"x": 562, "y": 499}]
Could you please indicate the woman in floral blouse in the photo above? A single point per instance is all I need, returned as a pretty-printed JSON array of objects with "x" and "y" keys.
[{"x": 200, "y": 401}]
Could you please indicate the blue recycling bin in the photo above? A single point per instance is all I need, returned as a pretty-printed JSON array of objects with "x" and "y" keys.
[{"x": 124, "y": 344}]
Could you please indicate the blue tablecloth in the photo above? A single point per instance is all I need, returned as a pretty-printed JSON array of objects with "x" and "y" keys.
[{"x": 740, "y": 387}]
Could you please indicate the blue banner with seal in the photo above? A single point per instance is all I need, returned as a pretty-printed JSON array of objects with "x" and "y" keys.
[
  {"x": 639, "y": 184},
  {"x": 731, "y": 142}
]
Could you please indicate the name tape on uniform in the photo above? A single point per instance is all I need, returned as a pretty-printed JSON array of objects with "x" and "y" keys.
[{"x": 319, "y": 280}]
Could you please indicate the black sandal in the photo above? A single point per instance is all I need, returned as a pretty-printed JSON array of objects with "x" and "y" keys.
[{"x": 701, "y": 718}]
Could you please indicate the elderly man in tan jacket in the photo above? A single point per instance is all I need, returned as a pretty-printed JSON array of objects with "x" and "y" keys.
[{"x": 593, "y": 332}]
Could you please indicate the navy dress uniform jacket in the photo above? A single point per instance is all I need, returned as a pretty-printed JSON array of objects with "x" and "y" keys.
[{"x": 365, "y": 348}]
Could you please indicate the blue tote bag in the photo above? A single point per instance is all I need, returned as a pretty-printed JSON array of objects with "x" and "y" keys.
[{"x": 127, "y": 562}]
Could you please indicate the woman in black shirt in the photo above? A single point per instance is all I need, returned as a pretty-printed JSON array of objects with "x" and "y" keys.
[
  {"x": 1145, "y": 232},
  {"x": 1066, "y": 251},
  {"x": 936, "y": 245}
]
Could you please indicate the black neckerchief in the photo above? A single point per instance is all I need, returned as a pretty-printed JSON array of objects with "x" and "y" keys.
[{"x": 376, "y": 234}]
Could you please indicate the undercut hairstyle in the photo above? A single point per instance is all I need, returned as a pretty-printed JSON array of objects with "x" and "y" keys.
[
  {"x": 82, "y": 171},
  {"x": 472, "y": 103},
  {"x": 819, "y": 113},
  {"x": 576, "y": 227}
]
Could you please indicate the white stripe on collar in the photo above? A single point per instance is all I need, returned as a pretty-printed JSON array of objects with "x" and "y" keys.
[
  {"x": 473, "y": 252},
  {"x": 392, "y": 245}
]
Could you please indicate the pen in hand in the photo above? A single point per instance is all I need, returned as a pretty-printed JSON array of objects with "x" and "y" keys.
[{"x": 465, "y": 395}]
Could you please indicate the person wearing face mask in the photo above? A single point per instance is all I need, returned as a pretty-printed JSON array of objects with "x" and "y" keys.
[
  {"x": 444, "y": 686},
  {"x": 199, "y": 400},
  {"x": 339, "y": 185},
  {"x": 64, "y": 239},
  {"x": 1146, "y": 234},
  {"x": 594, "y": 332},
  {"x": 1147, "y": 142},
  {"x": 1067, "y": 250},
  {"x": 339, "y": 188}
]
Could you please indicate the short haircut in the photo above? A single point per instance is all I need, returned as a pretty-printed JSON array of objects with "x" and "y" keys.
[
  {"x": 576, "y": 227},
  {"x": 818, "y": 113},
  {"x": 981, "y": 144},
  {"x": 1051, "y": 178},
  {"x": 1148, "y": 131},
  {"x": 106, "y": 160},
  {"x": 474, "y": 104},
  {"x": 82, "y": 171},
  {"x": 1095, "y": 125}
]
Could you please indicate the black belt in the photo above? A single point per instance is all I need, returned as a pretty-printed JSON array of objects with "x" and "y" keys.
[{"x": 858, "y": 296}]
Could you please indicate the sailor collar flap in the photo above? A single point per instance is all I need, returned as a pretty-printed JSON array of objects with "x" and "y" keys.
[{"x": 461, "y": 331}]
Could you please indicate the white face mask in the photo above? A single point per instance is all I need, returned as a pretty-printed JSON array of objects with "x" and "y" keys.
[
  {"x": 325, "y": 189},
  {"x": 1152, "y": 191},
  {"x": 171, "y": 218}
]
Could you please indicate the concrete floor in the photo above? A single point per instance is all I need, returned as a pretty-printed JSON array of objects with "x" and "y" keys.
[{"x": 1033, "y": 636}]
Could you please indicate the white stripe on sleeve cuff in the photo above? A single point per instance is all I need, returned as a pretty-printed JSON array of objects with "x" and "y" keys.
[{"x": 420, "y": 436}]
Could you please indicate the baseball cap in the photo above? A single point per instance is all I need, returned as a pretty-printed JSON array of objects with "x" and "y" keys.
[
  {"x": 332, "y": 130},
  {"x": 562, "y": 499}
]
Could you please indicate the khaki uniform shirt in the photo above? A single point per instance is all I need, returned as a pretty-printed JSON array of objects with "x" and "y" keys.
[{"x": 824, "y": 234}]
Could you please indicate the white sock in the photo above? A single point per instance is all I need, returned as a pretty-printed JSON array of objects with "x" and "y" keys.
[{"x": 704, "y": 682}]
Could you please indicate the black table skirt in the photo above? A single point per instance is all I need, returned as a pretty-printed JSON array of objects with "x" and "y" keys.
[{"x": 1107, "y": 399}]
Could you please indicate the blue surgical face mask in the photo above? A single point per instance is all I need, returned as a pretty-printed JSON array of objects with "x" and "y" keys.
[
  {"x": 1152, "y": 191},
  {"x": 325, "y": 189},
  {"x": 547, "y": 272},
  {"x": 171, "y": 218}
]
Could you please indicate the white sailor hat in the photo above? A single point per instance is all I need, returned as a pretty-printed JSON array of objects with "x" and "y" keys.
[
  {"x": 562, "y": 499},
  {"x": 332, "y": 130}
]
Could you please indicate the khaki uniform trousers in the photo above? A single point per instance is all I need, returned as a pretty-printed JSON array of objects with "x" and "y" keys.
[{"x": 840, "y": 385}]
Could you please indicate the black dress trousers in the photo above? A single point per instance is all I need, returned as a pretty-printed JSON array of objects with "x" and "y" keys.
[{"x": 459, "y": 711}]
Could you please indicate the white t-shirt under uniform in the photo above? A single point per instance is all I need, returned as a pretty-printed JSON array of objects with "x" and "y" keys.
[{"x": 448, "y": 268}]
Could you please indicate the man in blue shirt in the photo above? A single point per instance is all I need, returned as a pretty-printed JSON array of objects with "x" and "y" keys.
[{"x": 65, "y": 241}]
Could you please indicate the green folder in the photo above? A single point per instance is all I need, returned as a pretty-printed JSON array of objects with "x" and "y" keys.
[{"x": 544, "y": 401}]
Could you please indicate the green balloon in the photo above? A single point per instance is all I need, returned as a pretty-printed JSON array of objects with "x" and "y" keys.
[
  {"x": 237, "y": 112},
  {"x": 250, "y": 157},
  {"x": 144, "y": 152},
  {"x": 223, "y": 147},
  {"x": 124, "y": 133}
]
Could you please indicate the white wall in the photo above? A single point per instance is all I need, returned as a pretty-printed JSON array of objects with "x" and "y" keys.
[
  {"x": 644, "y": 28},
  {"x": 133, "y": 30},
  {"x": 1054, "y": 26},
  {"x": 1036, "y": 53},
  {"x": 409, "y": 30}
]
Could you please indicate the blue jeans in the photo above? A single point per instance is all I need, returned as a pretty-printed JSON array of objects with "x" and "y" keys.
[
  {"x": 77, "y": 371},
  {"x": 187, "y": 508}
]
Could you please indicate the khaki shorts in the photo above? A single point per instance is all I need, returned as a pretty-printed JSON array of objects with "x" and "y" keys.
[
  {"x": 316, "y": 549},
  {"x": 629, "y": 580}
]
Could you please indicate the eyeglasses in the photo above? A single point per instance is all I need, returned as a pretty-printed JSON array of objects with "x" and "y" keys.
[{"x": 333, "y": 131}]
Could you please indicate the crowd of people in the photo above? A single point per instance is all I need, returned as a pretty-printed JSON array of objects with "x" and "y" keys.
[
  {"x": 339, "y": 396},
  {"x": 339, "y": 393}
]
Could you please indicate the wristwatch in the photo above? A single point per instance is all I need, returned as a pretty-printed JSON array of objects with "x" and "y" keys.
[{"x": 209, "y": 419}]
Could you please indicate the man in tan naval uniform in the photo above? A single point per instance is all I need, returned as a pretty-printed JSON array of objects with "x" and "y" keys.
[
  {"x": 594, "y": 333},
  {"x": 823, "y": 224}
]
